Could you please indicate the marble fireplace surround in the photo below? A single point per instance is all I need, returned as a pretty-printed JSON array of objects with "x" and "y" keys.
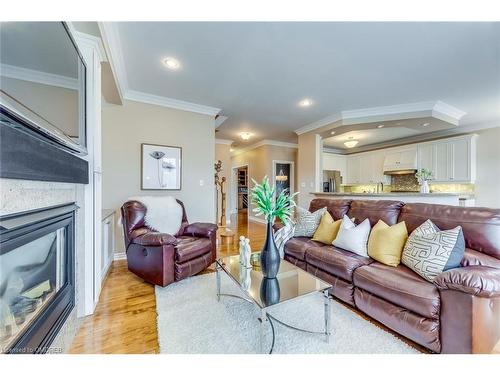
[{"x": 23, "y": 195}]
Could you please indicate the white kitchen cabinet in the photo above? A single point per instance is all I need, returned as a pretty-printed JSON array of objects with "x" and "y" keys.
[
  {"x": 450, "y": 160},
  {"x": 400, "y": 159},
  {"x": 460, "y": 160},
  {"x": 377, "y": 165},
  {"x": 441, "y": 162},
  {"x": 335, "y": 162},
  {"x": 353, "y": 169}
]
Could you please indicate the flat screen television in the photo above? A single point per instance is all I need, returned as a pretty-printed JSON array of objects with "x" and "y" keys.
[{"x": 43, "y": 81}]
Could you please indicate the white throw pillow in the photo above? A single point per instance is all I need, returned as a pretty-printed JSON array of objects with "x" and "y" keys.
[
  {"x": 163, "y": 213},
  {"x": 352, "y": 237}
]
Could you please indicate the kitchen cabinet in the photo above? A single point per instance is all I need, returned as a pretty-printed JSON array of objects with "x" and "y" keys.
[
  {"x": 400, "y": 159},
  {"x": 335, "y": 162},
  {"x": 353, "y": 169},
  {"x": 450, "y": 160}
]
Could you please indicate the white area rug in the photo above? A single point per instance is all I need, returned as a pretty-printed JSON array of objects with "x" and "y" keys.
[{"x": 190, "y": 320}]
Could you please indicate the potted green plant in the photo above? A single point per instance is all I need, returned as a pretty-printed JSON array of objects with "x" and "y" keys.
[
  {"x": 424, "y": 176},
  {"x": 263, "y": 198}
]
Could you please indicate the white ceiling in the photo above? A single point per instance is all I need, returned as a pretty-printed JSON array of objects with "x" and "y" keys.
[{"x": 257, "y": 72}]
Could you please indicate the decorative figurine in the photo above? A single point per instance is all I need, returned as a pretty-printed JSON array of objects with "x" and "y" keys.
[{"x": 242, "y": 249}]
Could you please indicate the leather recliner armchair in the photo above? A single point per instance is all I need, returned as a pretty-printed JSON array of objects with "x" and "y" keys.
[{"x": 161, "y": 258}]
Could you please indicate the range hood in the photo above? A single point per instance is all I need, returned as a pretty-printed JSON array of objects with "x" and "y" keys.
[{"x": 401, "y": 162}]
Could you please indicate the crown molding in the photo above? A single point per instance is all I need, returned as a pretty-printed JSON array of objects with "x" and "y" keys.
[
  {"x": 219, "y": 120},
  {"x": 37, "y": 76},
  {"x": 163, "y": 101},
  {"x": 112, "y": 46},
  {"x": 92, "y": 41},
  {"x": 265, "y": 142},
  {"x": 220, "y": 141},
  {"x": 319, "y": 124},
  {"x": 436, "y": 109},
  {"x": 448, "y": 113}
]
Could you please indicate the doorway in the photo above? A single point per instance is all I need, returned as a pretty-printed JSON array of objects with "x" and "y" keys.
[{"x": 283, "y": 176}]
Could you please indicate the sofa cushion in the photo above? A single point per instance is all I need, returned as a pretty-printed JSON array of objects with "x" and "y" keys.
[
  {"x": 335, "y": 261},
  {"x": 388, "y": 211},
  {"x": 188, "y": 248},
  {"x": 400, "y": 286},
  {"x": 481, "y": 226},
  {"x": 297, "y": 246},
  {"x": 336, "y": 207}
]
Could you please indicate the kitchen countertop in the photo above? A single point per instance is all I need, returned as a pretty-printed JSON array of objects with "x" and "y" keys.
[{"x": 402, "y": 194}]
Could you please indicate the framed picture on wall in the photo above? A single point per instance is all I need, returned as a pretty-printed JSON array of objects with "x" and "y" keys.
[{"x": 161, "y": 167}]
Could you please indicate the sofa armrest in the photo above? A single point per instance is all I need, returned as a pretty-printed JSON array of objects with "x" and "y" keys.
[
  {"x": 155, "y": 239},
  {"x": 480, "y": 281},
  {"x": 200, "y": 230}
]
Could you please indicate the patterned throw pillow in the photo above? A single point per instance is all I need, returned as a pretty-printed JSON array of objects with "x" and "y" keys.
[
  {"x": 307, "y": 222},
  {"x": 430, "y": 251}
]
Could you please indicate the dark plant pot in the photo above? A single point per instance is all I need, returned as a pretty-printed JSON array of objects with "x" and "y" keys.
[
  {"x": 270, "y": 291},
  {"x": 269, "y": 255}
]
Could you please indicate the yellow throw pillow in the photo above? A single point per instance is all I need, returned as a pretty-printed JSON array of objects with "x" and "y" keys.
[
  {"x": 386, "y": 242},
  {"x": 327, "y": 229}
]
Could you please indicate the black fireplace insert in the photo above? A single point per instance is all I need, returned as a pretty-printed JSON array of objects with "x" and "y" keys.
[{"x": 37, "y": 288}]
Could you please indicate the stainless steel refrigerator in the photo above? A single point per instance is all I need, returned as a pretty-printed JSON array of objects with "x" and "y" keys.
[{"x": 332, "y": 180}]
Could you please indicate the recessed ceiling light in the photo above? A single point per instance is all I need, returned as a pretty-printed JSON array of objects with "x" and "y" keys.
[
  {"x": 305, "y": 103},
  {"x": 245, "y": 136},
  {"x": 425, "y": 124},
  {"x": 380, "y": 126},
  {"x": 351, "y": 143},
  {"x": 332, "y": 133},
  {"x": 231, "y": 149},
  {"x": 171, "y": 63}
]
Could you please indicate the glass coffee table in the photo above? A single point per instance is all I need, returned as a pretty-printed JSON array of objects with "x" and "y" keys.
[{"x": 291, "y": 284}]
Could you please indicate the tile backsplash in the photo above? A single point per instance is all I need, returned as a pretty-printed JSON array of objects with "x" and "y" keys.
[{"x": 408, "y": 182}]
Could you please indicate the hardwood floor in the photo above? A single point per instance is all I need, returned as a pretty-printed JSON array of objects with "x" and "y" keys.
[{"x": 125, "y": 318}]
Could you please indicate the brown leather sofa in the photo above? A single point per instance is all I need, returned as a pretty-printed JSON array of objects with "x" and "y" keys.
[
  {"x": 160, "y": 258},
  {"x": 458, "y": 313}
]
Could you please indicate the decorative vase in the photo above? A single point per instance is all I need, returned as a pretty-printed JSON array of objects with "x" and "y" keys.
[
  {"x": 270, "y": 256},
  {"x": 424, "y": 187},
  {"x": 270, "y": 291}
]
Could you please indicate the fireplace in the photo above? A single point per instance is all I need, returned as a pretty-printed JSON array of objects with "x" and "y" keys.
[{"x": 37, "y": 289}]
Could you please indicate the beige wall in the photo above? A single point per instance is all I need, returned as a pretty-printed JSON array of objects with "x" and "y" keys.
[
  {"x": 260, "y": 163},
  {"x": 309, "y": 167},
  {"x": 487, "y": 187},
  {"x": 125, "y": 127},
  {"x": 223, "y": 154}
]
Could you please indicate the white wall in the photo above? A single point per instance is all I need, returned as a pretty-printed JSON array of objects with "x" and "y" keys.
[
  {"x": 125, "y": 127},
  {"x": 488, "y": 168}
]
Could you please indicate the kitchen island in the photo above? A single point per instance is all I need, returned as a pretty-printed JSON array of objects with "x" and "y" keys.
[{"x": 434, "y": 198}]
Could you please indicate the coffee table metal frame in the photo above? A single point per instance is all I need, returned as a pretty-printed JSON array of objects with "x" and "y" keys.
[{"x": 265, "y": 317}]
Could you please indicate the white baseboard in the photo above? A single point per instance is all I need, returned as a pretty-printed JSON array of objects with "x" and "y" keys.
[
  {"x": 120, "y": 256},
  {"x": 257, "y": 219}
]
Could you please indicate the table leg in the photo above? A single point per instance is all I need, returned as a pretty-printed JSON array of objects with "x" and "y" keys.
[
  {"x": 263, "y": 322},
  {"x": 328, "y": 313},
  {"x": 217, "y": 276}
]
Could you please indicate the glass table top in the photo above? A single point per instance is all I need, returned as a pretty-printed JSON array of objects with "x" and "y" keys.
[{"x": 291, "y": 282}]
